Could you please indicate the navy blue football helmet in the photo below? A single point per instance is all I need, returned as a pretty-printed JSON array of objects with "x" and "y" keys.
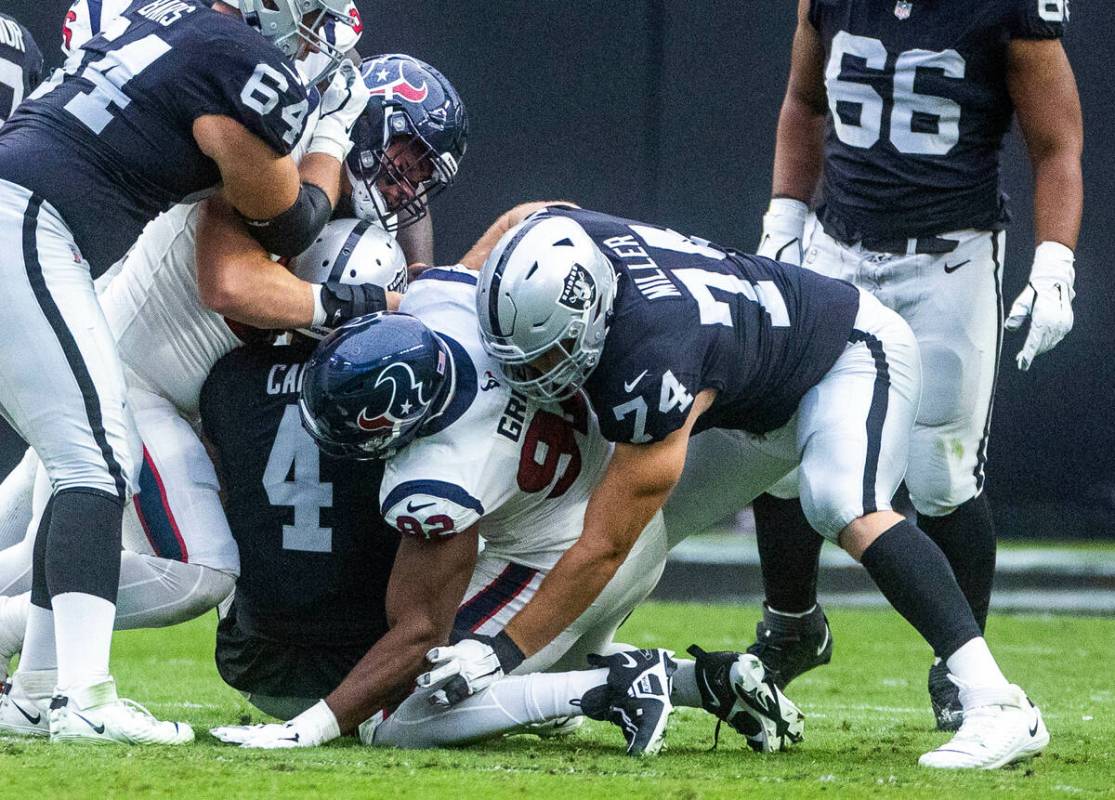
[
  {"x": 412, "y": 103},
  {"x": 372, "y": 383}
]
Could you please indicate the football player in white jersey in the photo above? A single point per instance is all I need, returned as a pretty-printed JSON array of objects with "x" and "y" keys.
[{"x": 471, "y": 458}]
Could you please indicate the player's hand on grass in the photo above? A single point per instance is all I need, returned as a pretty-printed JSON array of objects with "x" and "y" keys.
[
  {"x": 315, "y": 726},
  {"x": 1046, "y": 302},
  {"x": 459, "y": 671},
  {"x": 784, "y": 230}
]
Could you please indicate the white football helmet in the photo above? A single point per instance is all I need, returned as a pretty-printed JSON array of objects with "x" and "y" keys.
[
  {"x": 353, "y": 251},
  {"x": 546, "y": 289},
  {"x": 284, "y": 23}
]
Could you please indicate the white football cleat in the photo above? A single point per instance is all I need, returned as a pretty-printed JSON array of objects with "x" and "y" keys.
[
  {"x": 22, "y": 715},
  {"x": 1001, "y": 726},
  {"x": 95, "y": 714}
]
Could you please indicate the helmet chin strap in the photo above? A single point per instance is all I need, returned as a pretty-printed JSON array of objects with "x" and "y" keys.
[{"x": 367, "y": 202}]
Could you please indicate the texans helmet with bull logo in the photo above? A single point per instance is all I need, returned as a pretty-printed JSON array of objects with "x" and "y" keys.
[
  {"x": 409, "y": 142},
  {"x": 371, "y": 385}
]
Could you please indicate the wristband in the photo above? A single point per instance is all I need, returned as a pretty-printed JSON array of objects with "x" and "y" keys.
[
  {"x": 510, "y": 655},
  {"x": 319, "y": 307},
  {"x": 788, "y": 207},
  {"x": 319, "y": 723}
]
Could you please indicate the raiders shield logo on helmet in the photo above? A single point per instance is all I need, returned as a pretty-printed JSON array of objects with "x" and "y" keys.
[{"x": 579, "y": 290}]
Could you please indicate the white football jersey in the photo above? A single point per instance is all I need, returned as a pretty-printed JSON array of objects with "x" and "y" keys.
[
  {"x": 165, "y": 336},
  {"x": 524, "y": 472}
]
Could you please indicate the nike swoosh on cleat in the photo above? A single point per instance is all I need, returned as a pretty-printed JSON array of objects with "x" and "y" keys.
[
  {"x": 97, "y": 729},
  {"x": 629, "y": 387},
  {"x": 35, "y": 720},
  {"x": 955, "y": 267},
  {"x": 1033, "y": 730}
]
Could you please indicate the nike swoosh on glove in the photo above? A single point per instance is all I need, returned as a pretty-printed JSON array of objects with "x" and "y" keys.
[
  {"x": 783, "y": 231},
  {"x": 1046, "y": 302}
]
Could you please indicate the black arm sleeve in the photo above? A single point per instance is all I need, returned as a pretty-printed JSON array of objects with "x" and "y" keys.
[{"x": 294, "y": 230}]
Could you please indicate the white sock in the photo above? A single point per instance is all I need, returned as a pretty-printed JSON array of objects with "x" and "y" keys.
[
  {"x": 506, "y": 706},
  {"x": 38, "y": 643},
  {"x": 685, "y": 691},
  {"x": 13, "y": 623},
  {"x": 36, "y": 684},
  {"x": 83, "y": 636},
  {"x": 974, "y": 665}
]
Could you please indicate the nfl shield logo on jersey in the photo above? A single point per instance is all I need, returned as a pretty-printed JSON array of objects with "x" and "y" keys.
[{"x": 903, "y": 9}]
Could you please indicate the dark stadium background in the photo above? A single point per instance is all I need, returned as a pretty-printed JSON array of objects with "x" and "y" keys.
[{"x": 666, "y": 111}]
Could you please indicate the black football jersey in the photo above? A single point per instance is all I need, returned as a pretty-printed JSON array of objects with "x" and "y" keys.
[
  {"x": 21, "y": 65},
  {"x": 690, "y": 315},
  {"x": 918, "y": 108},
  {"x": 111, "y": 138},
  {"x": 315, "y": 554}
]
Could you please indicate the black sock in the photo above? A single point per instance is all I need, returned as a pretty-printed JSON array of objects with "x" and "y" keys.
[
  {"x": 789, "y": 550},
  {"x": 40, "y": 596},
  {"x": 84, "y": 548},
  {"x": 967, "y": 538},
  {"x": 914, "y": 575}
]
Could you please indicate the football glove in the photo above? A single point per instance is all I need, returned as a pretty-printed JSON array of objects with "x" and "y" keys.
[
  {"x": 1046, "y": 302},
  {"x": 341, "y": 106},
  {"x": 783, "y": 230},
  {"x": 335, "y": 303},
  {"x": 460, "y": 671},
  {"x": 314, "y": 726}
]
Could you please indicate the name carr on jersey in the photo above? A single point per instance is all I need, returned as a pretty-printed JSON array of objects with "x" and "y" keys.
[
  {"x": 285, "y": 378},
  {"x": 651, "y": 281}
]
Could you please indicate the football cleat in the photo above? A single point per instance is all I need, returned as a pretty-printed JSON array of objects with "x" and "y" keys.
[
  {"x": 95, "y": 714},
  {"x": 736, "y": 689},
  {"x": 791, "y": 645},
  {"x": 944, "y": 695},
  {"x": 636, "y": 697},
  {"x": 1001, "y": 726},
  {"x": 555, "y": 728},
  {"x": 22, "y": 715}
]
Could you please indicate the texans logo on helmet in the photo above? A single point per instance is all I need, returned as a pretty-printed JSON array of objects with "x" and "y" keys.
[
  {"x": 405, "y": 401},
  {"x": 579, "y": 289},
  {"x": 400, "y": 87}
]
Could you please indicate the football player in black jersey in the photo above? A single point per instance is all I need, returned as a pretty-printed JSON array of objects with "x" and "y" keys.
[
  {"x": 21, "y": 65},
  {"x": 898, "y": 109},
  {"x": 171, "y": 101},
  {"x": 315, "y": 554},
  {"x": 670, "y": 337}
]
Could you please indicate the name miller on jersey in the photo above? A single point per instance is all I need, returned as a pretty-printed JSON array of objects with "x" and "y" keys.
[
  {"x": 11, "y": 34},
  {"x": 651, "y": 282}
]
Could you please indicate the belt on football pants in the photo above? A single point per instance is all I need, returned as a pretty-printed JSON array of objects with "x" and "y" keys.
[{"x": 923, "y": 245}]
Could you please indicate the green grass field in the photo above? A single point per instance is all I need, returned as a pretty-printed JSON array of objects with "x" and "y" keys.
[{"x": 868, "y": 720}]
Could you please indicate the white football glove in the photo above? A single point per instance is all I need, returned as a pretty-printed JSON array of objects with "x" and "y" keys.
[
  {"x": 314, "y": 726},
  {"x": 460, "y": 671},
  {"x": 783, "y": 230},
  {"x": 341, "y": 106},
  {"x": 1046, "y": 302}
]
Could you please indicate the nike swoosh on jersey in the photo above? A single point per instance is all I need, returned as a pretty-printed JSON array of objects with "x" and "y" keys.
[
  {"x": 412, "y": 508},
  {"x": 955, "y": 267},
  {"x": 628, "y": 387}
]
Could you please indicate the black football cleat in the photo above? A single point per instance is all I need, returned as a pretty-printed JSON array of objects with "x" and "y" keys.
[
  {"x": 636, "y": 697},
  {"x": 944, "y": 695},
  {"x": 789, "y": 646},
  {"x": 736, "y": 689}
]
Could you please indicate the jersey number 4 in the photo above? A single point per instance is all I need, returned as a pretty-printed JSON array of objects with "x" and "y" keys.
[
  {"x": 920, "y": 124},
  {"x": 295, "y": 452}
]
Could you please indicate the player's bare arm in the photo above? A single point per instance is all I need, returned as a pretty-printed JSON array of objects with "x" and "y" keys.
[
  {"x": 417, "y": 241},
  {"x": 638, "y": 481},
  {"x": 478, "y": 254},
  {"x": 427, "y": 583},
  {"x": 1043, "y": 90},
  {"x": 237, "y": 278},
  {"x": 798, "y": 149}
]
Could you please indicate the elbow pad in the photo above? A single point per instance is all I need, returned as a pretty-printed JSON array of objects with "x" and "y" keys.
[{"x": 293, "y": 231}]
